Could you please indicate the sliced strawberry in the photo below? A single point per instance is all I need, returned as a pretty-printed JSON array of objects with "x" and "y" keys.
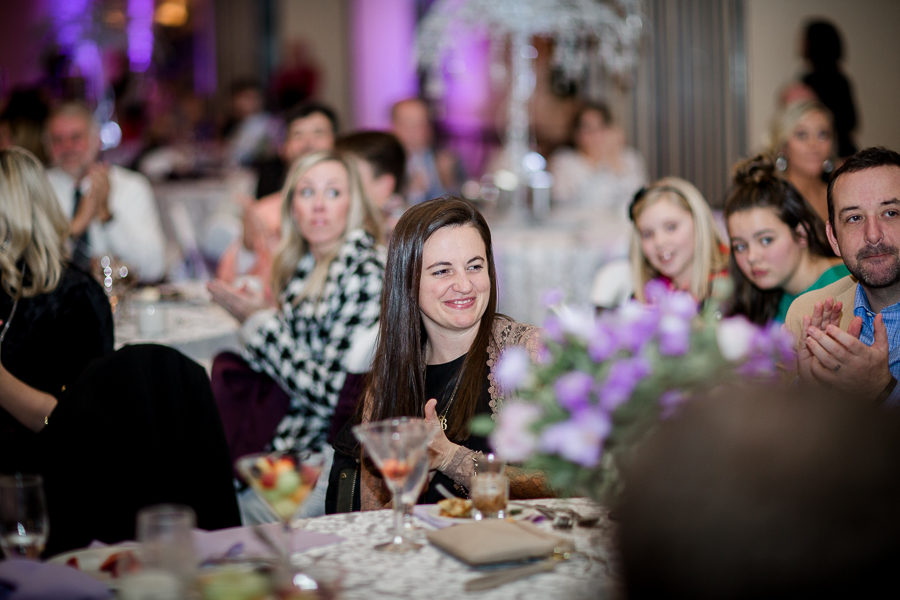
[{"x": 268, "y": 480}]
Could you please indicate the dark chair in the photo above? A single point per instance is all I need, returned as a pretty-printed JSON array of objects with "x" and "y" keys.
[
  {"x": 251, "y": 404},
  {"x": 138, "y": 427}
]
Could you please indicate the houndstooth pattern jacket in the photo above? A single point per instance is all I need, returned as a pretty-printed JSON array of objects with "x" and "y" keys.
[{"x": 302, "y": 347}]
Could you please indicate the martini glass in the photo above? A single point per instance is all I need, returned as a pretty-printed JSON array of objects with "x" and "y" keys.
[
  {"x": 399, "y": 448},
  {"x": 282, "y": 480}
]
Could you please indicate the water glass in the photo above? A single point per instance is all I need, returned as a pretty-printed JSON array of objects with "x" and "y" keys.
[
  {"x": 167, "y": 556},
  {"x": 489, "y": 491},
  {"x": 23, "y": 516}
]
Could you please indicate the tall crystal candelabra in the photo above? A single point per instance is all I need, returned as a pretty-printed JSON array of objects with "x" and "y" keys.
[{"x": 609, "y": 30}]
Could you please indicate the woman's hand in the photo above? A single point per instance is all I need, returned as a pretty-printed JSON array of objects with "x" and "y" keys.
[
  {"x": 240, "y": 302},
  {"x": 440, "y": 450}
]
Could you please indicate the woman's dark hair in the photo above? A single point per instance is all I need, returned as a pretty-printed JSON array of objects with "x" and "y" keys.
[
  {"x": 597, "y": 107},
  {"x": 756, "y": 185},
  {"x": 396, "y": 386},
  {"x": 823, "y": 45}
]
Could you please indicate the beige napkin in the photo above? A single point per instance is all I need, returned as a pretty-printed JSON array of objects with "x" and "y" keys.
[{"x": 492, "y": 541}]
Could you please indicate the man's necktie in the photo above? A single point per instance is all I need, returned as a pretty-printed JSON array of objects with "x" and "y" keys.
[{"x": 81, "y": 253}]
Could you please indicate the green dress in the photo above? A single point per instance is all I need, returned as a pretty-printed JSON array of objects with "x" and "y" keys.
[{"x": 831, "y": 275}]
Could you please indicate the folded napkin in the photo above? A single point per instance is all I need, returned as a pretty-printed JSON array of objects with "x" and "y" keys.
[
  {"x": 210, "y": 544},
  {"x": 487, "y": 542},
  {"x": 241, "y": 541},
  {"x": 32, "y": 580}
]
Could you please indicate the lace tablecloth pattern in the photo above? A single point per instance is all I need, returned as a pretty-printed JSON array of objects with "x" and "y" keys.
[
  {"x": 432, "y": 574},
  {"x": 195, "y": 326}
]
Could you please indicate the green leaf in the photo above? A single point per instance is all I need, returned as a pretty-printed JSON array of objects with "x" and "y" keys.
[{"x": 482, "y": 425}]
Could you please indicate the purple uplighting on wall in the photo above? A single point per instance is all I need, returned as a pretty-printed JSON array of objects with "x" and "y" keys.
[
  {"x": 382, "y": 33},
  {"x": 140, "y": 34},
  {"x": 69, "y": 16},
  {"x": 73, "y": 19}
]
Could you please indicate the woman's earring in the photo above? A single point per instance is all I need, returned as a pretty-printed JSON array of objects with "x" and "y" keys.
[
  {"x": 827, "y": 166},
  {"x": 781, "y": 162}
]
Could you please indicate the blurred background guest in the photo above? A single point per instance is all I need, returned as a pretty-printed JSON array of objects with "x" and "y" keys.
[
  {"x": 327, "y": 276},
  {"x": 381, "y": 162},
  {"x": 22, "y": 122},
  {"x": 309, "y": 127},
  {"x": 251, "y": 133},
  {"x": 112, "y": 209},
  {"x": 762, "y": 492},
  {"x": 823, "y": 51},
  {"x": 675, "y": 240},
  {"x": 598, "y": 173},
  {"x": 56, "y": 318},
  {"x": 431, "y": 171},
  {"x": 802, "y": 140},
  {"x": 778, "y": 245}
]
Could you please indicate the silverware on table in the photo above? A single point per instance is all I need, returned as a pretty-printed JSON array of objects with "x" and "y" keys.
[{"x": 493, "y": 580}]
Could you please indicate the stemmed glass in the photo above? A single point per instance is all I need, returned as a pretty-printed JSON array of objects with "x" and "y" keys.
[
  {"x": 282, "y": 480},
  {"x": 23, "y": 516},
  {"x": 399, "y": 448}
]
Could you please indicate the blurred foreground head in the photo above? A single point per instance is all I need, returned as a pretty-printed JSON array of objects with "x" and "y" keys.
[{"x": 762, "y": 493}]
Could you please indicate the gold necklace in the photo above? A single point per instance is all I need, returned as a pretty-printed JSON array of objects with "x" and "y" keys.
[{"x": 442, "y": 419}]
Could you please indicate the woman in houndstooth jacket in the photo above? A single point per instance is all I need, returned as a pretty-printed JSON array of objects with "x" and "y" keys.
[{"x": 327, "y": 276}]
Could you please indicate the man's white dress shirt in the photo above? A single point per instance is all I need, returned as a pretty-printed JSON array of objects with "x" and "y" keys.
[{"x": 134, "y": 234}]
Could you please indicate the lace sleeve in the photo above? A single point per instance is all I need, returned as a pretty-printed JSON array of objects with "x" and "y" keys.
[{"x": 528, "y": 483}]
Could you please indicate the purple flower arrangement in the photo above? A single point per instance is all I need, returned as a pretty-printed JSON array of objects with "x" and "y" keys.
[{"x": 603, "y": 381}]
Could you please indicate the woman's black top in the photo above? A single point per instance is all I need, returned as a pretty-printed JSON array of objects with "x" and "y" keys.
[
  {"x": 50, "y": 341},
  {"x": 439, "y": 383}
]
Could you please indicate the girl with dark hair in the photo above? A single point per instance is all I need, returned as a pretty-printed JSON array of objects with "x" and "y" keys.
[
  {"x": 778, "y": 244},
  {"x": 439, "y": 339}
]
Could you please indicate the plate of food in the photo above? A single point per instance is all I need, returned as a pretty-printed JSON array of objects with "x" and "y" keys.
[
  {"x": 106, "y": 564},
  {"x": 456, "y": 510}
]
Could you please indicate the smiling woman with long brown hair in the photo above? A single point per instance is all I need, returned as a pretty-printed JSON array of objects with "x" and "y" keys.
[{"x": 440, "y": 337}]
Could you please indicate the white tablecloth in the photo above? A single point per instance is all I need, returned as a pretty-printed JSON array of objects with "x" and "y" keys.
[
  {"x": 563, "y": 254},
  {"x": 432, "y": 574},
  {"x": 195, "y": 326}
]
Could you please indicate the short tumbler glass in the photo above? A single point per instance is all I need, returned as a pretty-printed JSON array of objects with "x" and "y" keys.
[{"x": 490, "y": 489}]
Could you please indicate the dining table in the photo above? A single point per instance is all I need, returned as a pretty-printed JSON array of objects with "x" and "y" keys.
[
  {"x": 338, "y": 553},
  {"x": 186, "y": 319},
  {"x": 562, "y": 253},
  {"x": 433, "y": 574}
]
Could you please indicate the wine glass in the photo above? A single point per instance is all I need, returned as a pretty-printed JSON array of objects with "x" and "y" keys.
[
  {"x": 399, "y": 448},
  {"x": 23, "y": 516},
  {"x": 282, "y": 480}
]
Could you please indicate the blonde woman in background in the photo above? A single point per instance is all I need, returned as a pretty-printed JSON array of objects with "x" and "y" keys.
[
  {"x": 55, "y": 317},
  {"x": 675, "y": 240},
  {"x": 327, "y": 277},
  {"x": 803, "y": 147}
]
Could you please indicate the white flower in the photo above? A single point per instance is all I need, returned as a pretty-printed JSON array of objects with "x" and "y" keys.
[
  {"x": 513, "y": 368},
  {"x": 513, "y": 439},
  {"x": 735, "y": 337},
  {"x": 576, "y": 321}
]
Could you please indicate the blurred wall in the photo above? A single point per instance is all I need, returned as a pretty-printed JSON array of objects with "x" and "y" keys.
[
  {"x": 323, "y": 25},
  {"x": 871, "y": 61},
  {"x": 382, "y": 37},
  {"x": 22, "y": 25},
  {"x": 237, "y": 43}
]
